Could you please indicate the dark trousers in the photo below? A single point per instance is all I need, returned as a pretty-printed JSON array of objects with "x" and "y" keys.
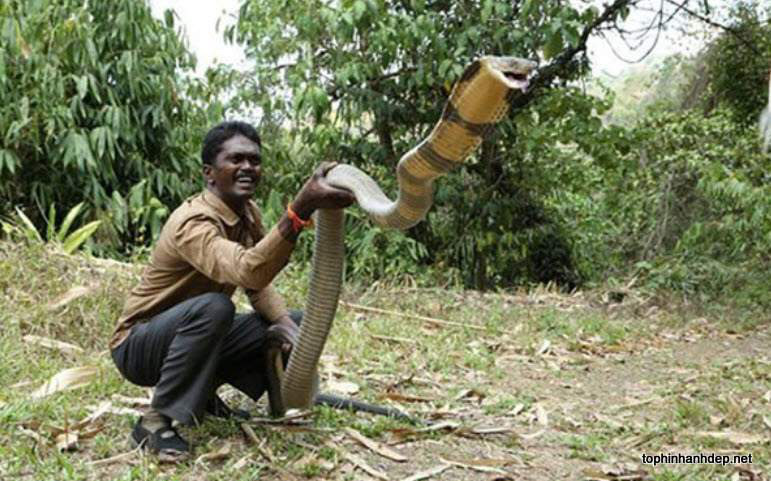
[{"x": 191, "y": 349}]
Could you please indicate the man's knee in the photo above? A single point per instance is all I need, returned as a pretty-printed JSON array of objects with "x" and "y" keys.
[{"x": 219, "y": 308}]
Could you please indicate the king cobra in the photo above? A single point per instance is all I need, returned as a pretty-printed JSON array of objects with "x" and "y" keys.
[{"x": 477, "y": 102}]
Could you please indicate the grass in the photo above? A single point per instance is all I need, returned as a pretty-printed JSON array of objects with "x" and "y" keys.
[{"x": 573, "y": 383}]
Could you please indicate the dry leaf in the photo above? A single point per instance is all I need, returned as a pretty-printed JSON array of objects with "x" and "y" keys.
[
  {"x": 116, "y": 458},
  {"x": 716, "y": 420},
  {"x": 767, "y": 421},
  {"x": 67, "y": 441},
  {"x": 218, "y": 455},
  {"x": 473, "y": 466},
  {"x": 133, "y": 401},
  {"x": 40, "y": 439},
  {"x": 69, "y": 296},
  {"x": 734, "y": 437},
  {"x": 428, "y": 473},
  {"x": 67, "y": 379},
  {"x": 374, "y": 446},
  {"x": 241, "y": 463},
  {"x": 517, "y": 409},
  {"x": 342, "y": 387},
  {"x": 250, "y": 434},
  {"x": 65, "y": 347},
  {"x": 394, "y": 396},
  {"x": 448, "y": 425},
  {"x": 359, "y": 463},
  {"x": 541, "y": 415},
  {"x": 103, "y": 408}
]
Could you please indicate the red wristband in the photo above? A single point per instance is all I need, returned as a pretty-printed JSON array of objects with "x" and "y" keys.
[{"x": 297, "y": 223}]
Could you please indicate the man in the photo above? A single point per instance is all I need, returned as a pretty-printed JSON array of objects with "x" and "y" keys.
[{"x": 179, "y": 331}]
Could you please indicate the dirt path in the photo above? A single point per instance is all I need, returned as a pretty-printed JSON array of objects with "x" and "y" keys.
[{"x": 591, "y": 416}]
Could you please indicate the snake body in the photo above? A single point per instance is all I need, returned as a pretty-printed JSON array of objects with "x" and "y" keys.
[{"x": 477, "y": 102}]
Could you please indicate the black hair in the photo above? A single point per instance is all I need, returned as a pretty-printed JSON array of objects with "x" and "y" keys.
[{"x": 212, "y": 143}]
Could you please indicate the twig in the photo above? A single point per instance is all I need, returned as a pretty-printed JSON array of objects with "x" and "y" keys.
[
  {"x": 359, "y": 463},
  {"x": 374, "y": 446},
  {"x": 430, "y": 320},
  {"x": 393, "y": 339},
  {"x": 428, "y": 473}
]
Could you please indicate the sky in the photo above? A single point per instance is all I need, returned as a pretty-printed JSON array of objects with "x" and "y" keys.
[{"x": 199, "y": 20}]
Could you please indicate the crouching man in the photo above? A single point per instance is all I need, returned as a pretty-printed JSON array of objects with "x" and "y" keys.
[{"x": 179, "y": 331}]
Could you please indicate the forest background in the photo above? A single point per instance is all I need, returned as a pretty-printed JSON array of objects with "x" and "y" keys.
[{"x": 654, "y": 180}]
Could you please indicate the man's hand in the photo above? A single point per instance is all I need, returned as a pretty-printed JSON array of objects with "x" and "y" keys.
[
  {"x": 317, "y": 193},
  {"x": 285, "y": 330}
]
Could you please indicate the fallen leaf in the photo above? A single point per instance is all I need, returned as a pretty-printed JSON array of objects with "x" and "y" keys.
[
  {"x": 734, "y": 437},
  {"x": 494, "y": 430},
  {"x": 767, "y": 421},
  {"x": 472, "y": 466},
  {"x": 103, "y": 408},
  {"x": 67, "y": 441},
  {"x": 250, "y": 434},
  {"x": 516, "y": 409},
  {"x": 374, "y": 446},
  {"x": 69, "y": 296},
  {"x": 133, "y": 401},
  {"x": 68, "y": 379},
  {"x": 428, "y": 473},
  {"x": 541, "y": 415},
  {"x": 359, "y": 463},
  {"x": 40, "y": 439},
  {"x": 342, "y": 387},
  {"x": 218, "y": 455},
  {"x": 65, "y": 347},
  {"x": 716, "y": 420},
  {"x": 394, "y": 396},
  {"x": 448, "y": 425},
  {"x": 241, "y": 463}
]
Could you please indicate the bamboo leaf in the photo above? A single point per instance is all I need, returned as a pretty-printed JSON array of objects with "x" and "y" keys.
[
  {"x": 67, "y": 222},
  {"x": 77, "y": 238}
]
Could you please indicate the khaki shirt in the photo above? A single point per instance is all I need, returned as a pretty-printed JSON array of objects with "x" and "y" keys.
[{"x": 206, "y": 247}]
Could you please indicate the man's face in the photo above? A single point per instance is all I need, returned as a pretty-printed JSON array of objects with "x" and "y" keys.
[{"x": 236, "y": 171}]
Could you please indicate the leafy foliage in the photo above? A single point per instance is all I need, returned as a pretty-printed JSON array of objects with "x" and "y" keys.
[
  {"x": 98, "y": 110},
  {"x": 365, "y": 81},
  {"x": 23, "y": 228}
]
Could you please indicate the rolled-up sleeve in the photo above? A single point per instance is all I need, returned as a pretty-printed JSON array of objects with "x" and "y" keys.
[
  {"x": 267, "y": 302},
  {"x": 200, "y": 241}
]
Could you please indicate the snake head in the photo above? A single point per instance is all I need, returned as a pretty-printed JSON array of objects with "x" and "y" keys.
[{"x": 513, "y": 71}]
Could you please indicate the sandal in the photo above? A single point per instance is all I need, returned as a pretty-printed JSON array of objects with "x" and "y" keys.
[{"x": 166, "y": 442}]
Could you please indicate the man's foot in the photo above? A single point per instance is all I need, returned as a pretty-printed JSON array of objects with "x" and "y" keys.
[
  {"x": 216, "y": 407},
  {"x": 164, "y": 441}
]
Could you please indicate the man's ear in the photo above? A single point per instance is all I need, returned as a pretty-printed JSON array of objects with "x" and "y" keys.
[{"x": 207, "y": 174}]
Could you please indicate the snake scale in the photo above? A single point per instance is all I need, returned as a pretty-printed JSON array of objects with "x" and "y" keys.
[{"x": 477, "y": 102}]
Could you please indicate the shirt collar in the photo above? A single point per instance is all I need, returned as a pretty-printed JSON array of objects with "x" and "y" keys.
[{"x": 223, "y": 211}]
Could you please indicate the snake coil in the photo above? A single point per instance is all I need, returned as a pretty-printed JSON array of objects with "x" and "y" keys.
[{"x": 477, "y": 102}]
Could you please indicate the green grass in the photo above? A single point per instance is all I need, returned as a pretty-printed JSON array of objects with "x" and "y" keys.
[{"x": 511, "y": 348}]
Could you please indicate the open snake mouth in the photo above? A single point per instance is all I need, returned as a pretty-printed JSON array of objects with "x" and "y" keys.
[{"x": 514, "y": 71}]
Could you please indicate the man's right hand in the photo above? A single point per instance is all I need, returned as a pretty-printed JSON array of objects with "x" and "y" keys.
[{"x": 317, "y": 193}]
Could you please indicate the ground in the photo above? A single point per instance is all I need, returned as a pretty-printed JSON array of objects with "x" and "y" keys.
[{"x": 527, "y": 385}]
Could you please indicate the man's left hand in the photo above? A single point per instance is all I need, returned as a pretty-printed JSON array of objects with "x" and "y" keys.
[{"x": 287, "y": 331}]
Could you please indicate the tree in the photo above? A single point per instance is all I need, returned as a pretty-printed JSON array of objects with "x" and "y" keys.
[
  {"x": 96, "y": 108},
  {"x": 364, "y": 80}
]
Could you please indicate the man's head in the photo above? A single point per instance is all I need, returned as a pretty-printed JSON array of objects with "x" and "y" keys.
[{"x": 231, "y": 156}]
